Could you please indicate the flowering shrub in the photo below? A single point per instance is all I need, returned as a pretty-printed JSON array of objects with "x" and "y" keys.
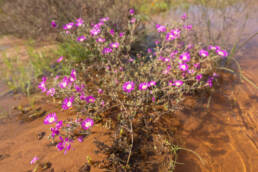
[{"x": 152, "y": 85}]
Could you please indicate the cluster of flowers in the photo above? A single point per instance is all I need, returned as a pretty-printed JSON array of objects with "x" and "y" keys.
[{"x": 65, "y": 143}]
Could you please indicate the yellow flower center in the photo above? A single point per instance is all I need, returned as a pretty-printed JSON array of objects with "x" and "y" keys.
[
  {"x": 129, "y": 86},
  {"x": 69, "y": 104}
]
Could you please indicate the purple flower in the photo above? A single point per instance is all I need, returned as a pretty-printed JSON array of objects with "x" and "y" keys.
[
  {"x": 178, "y": 83},
  {"x": 68, "y": 26},
  {"x": 161, "y": 28},
  {"x": 51, "y": 92},
  {"x": 95, "y": 31},
  {"x": 100, "y": 91},
  {"x": 81, "y": 38},
  {"x": 172, "y": 55},
  {"x": 80, "y": 138},
  {"x": 184, "y": 17},
  {"x": 121, "y": 34},
  {"x": 64, "y": 82},
  {"x": 107, "y": 50},
  {"x": 42, "y": 86},
  {"x": 149, "y": 50},
  {"x": 79, "y": 22},
  {"x": 59, "y": 124},
  {"x": 50, "y": 118},
  {"x": 101, "y": 40},
  {"x": 131, "y": 11},
  {"x": 203, "y": 53},
  {"x": 112, "y": 32},
  {"x": 143, "y": 86},
  {"x": 170, "y": 36},
  {"x": 222, "y": 53},
  {"x": 73, "y": 72},
  {"x": 183, "y": 66},
  {"x": 59, "y": 59},
  {"x": 53, "y": 24},
  {"x": 185, "y": 57},
  {"x": 153, "y": 99},
  {"x": 188, "y": 27},
  {"x": 67, "y": 103},
  {"x": 34, "y": 160},
  {"x": 105, "y": 19},
  {"x": 170, "y": 83},
  {"x": 209, "y": 82},
  {"x": 87, "y": 123},
  {"x": 151, "y": 83},
  {"x": 128, "y": 86},
  {"x": 176, "y": 32},
  {"x": 54, "y": 131},
  {"x": 198, "y": 77},
  {"x": 72, "y": 78},
  {"x": 211, "y": 47},
  {"x": 90, "y": 99},
  {"x": 133, "y": 20},
  {"x": 197, "y": 65},
  {"x": 82, "y": 96},
  {"x": 64, "y": 144},
  {"x": 114, "y": 45},
  {"x": 190, "y": 71}
]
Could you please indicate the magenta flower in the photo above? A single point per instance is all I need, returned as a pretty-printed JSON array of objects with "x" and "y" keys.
[
  {"x": 188, "y": 27},
  {"x": 59, "y": 124},
  {"x": 64, "y": 144},
  {"x": 55, "y": 132},
  {"x": 42, "y": 86},
  {"x": 190, "y": 71},
  {"x": 176, "y": 32},
  {"x": 183, "y": 66},
  {"x": 161, "y": 28},
  {"x": 114, "y": 45},
  {"x": 133, "y": 20},
  {"x": 101, "y": 40},
  {"x": 72, "y": 78},
  {"x": 53, "y": 24},
  {"x": 34, "y": 160},
  {"x": 170, "y": 36},
  {"x": 81, "y": 38},
  {"x": 82, "y": 96},
  {"x": 64, "y": 82},
  {"x": 185, "y": 57},
  {"x": 68, "y": 26},
  {"x": 107, "y": 50},
  {"x": 121, "y": 34},
  {"x": 59, "y": 59},
  {"x": 100, "y": 91},
  {"x": 197, "y": 65},
  {"x": 184, "y": 17},
  {"x": 128, "y": 86},
  {"x": 209, "y": 82},
  {"x": 198, "y": 77},
  {"x": 131, "y": 11},
  {"x": 170, "y": 83},
  {"x": 51, "y": 92},
  {"x": 203, "y": 53},
  {"x": 211, "y": 47},
  {"x": 95, "y": 31},
  {"x": 178, "y": 83},
  {"x": 151, "y": 83},
  {"x": 79, "y": 22},
  {"x": 67, "y": 103},
  {"x": 73, "y": 72},
  {"x": 222, "y": 53},
  {"x": 87, "y": 123},
  {"x": 50, "y": 118},
  {"x": 90, "y": 99},
  {"x": 172, "y": 55},
  {"x": 105, "y": 19},
  {"x": 143, "y": 86},
  {"x": 80, "y": 138},
  {"x": 112, "y": 32}
]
